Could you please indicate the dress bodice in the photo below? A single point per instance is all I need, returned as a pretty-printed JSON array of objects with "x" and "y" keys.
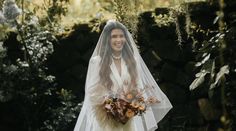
[{"x": 119, "y": 80}]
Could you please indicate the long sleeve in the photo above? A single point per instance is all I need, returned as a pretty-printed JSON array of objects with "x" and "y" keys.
[
  {"x": 93, "y": 73},
  {"x": 85, "y": 121}
]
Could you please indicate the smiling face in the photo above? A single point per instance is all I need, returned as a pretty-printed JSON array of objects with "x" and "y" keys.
[{"x": 117, "y": 40}]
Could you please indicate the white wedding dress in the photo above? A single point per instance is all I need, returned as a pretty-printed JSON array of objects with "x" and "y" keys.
[{"x": 88, "y": 121}]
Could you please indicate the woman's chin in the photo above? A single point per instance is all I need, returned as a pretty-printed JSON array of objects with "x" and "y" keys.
[{"x": 118, "y": 50}]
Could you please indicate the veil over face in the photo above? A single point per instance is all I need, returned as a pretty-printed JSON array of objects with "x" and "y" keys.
[{"x": 103, "y": 77}]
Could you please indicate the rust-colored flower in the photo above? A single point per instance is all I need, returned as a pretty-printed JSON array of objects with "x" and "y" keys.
[
  {"x": 140, "y": 98},
  {"x": 142, "y": 107},
  {"x": 127, "y": 102},
  {"x": 153, "y": 100},
  {"x": 129, "y": 96},
  {"x": 135, "y": 104},
  {"x": 129, "y": 113}
]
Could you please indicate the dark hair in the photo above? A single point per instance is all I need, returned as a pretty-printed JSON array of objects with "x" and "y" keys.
[{"x": 127, "y": 53}]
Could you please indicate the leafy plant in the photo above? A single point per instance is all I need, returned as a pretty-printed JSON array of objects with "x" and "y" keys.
[
  {"x": 25, "y": 81},
  {"x": 217, "y": 68}
]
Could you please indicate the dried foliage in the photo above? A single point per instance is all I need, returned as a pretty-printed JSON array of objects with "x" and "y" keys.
[{"x": 127, "y": 13}]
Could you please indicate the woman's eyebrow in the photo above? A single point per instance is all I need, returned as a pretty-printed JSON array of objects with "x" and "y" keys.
[{"x": 114, "y": 34}]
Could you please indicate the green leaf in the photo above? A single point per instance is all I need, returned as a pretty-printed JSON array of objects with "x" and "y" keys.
[
  {"x": 220, "y": 76},
  {"x": 212, "y": 69},
  {"x": 216, "y": 19},
  {"x": 200, "y": 77},
  {"x": 4, "y": 30},
  {"x": 206, "y": 58}
]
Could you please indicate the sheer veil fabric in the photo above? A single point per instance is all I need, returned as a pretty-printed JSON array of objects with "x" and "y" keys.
[{"x": 103, "y": 77}]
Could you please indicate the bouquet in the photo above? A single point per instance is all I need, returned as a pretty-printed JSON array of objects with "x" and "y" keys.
[{"x": 124, "y": 105}]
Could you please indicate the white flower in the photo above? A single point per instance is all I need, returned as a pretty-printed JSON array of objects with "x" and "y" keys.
[
  {"x": 1, "y": 45},
  {"x": 2, "y": 50},
  {"x": 34, "y": 20},
  {"x": 98, "y": 15},
  {"x": 50, "y": 78},
  {"x": 10, "y": 10},
  {"x": 2, "y": 18},
  {"x": 11, "y": 69},
  {"x": 22, "y": 63}
]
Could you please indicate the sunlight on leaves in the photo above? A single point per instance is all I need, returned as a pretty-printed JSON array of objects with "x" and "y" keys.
[
  {"x": 206, "y": 57},
  {"x": 220, "y": 76},
  {"x": 3, "y": 31},
  {"x": 200, "y": 77}
]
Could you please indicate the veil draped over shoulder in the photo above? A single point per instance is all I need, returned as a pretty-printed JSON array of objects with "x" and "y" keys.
[{"x": 103, "y": 77}]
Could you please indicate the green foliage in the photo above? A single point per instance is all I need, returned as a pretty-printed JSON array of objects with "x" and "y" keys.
[
  {"x": 4, "y": 31},
  {"x": 207, "y": 56},
  {"x": 217, "y": 68},
  {"x": 172, "y": 17},
  {"x": 62, "y": 116},
  {"x": 220, "y": 76},
  {"x": 57, "y": 9},
  {"x": 200, "y": 77},
  {"x": 215, "y": 75},
  {"x": 25, "y": 82},
  {"x": 127, "y": 13},
  {"x": 2, "y": 51},
  {"x": 163, "y": 19},
  {"x": 37, "y": 41}
]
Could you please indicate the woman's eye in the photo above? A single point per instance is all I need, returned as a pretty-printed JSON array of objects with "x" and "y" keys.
[{"x": 113, "y": 36}]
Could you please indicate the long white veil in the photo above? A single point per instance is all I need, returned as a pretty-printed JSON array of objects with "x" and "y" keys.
[{"x": 98, "y": 77}]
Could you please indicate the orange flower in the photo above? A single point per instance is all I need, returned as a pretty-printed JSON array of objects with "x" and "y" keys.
[
  {"x": 129, "y": 113},
  {"x": 129, "y": 96},
  {"x": 135, "y": 104},
  {"x": 141, "y": 98},
  {"x": 153, "y": 100},
  {"x": 142, "y": 107}
]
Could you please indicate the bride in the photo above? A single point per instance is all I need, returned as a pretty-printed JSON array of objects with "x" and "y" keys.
[{"x": 115, "y": 63}]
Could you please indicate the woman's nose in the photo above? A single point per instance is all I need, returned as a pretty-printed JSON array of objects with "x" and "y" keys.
[{"x": 118, "y": 39}]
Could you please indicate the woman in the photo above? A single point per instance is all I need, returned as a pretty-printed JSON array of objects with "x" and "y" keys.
[{"x": 117, "y": 65}]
